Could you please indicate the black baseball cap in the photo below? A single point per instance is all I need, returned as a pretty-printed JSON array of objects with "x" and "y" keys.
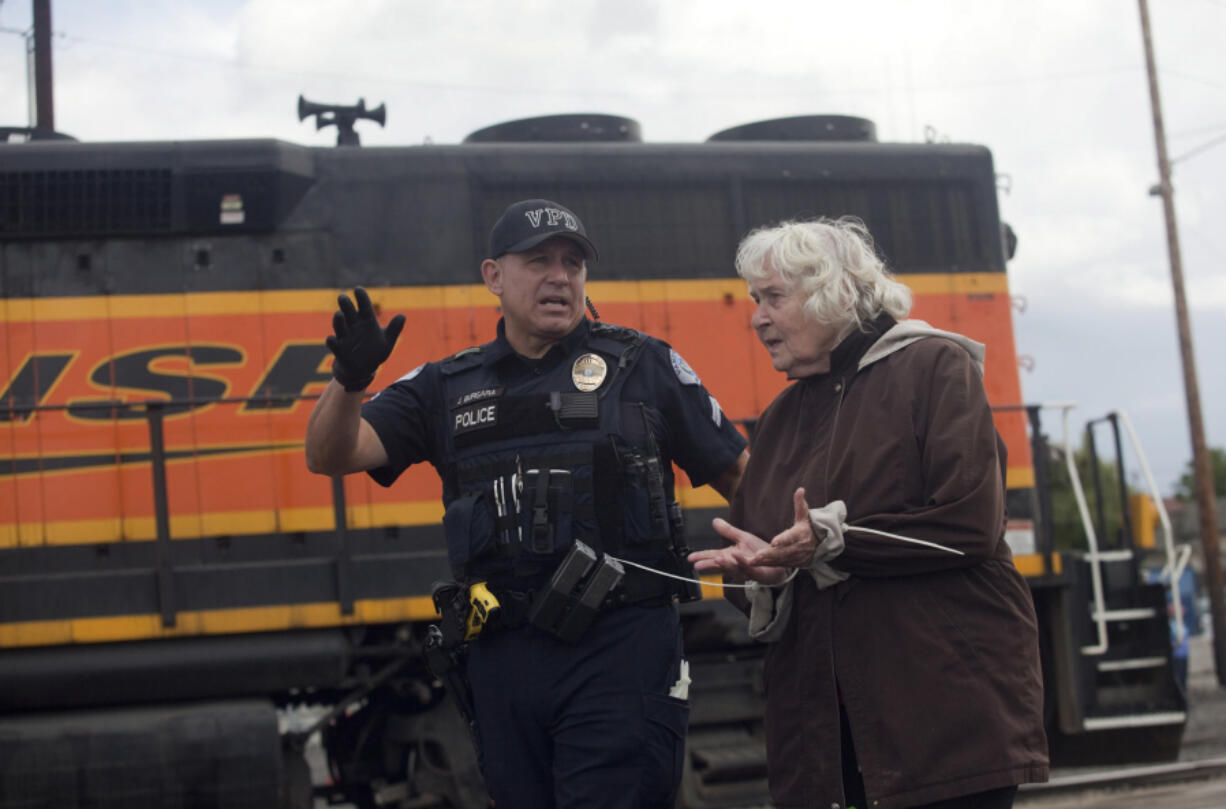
[{"x": 529, "y": 222}]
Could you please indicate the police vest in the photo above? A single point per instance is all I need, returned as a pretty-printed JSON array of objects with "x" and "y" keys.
[{"x": 527, "y": 474}]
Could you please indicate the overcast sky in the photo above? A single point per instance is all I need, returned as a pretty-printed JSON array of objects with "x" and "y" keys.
[{"x": 1056, "y": 88}]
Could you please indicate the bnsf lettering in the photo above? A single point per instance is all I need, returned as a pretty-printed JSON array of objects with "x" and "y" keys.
[
  {"x": 299, "y": 366},
  {"x": 135, "y": 375},
  {"x": 33, "y": 380},
  {"x": 134, "y": 371}
]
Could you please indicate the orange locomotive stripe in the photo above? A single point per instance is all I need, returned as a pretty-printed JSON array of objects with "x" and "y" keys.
[
  {"x": 237, "y": 492},
  {"x": 213, "y": 622},
  {"x": 199, "y": 304}
]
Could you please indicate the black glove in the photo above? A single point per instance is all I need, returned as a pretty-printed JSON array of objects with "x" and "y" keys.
[{"x": 360, "y": 345}]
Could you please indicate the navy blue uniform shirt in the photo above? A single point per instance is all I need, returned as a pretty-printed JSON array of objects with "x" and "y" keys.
[{"x": 411, "y": 417}]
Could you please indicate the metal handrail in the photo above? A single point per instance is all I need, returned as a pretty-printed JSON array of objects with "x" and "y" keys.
[
  {"x": 1096, "y": 574},
  {"x": 1175, "y": 562}
]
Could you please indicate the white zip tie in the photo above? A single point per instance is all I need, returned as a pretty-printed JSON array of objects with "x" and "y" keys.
[
  {"x": 904, "y": 539},
  {"x": 795, "y": 570},
  {"x": 791, "y": 576}
]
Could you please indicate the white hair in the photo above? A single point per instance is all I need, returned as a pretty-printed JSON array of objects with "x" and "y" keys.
[{"x": 833, "y": 262}]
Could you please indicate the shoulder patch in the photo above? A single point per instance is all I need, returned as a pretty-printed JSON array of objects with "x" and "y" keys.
[
  {"x": 411, "y": 374},
  {"x": 683, "y": 370},
  {"x": 717, "y": 413},
  {"x": 406, "y": 378}
]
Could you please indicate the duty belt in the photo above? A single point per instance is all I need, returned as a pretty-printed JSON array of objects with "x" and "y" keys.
[{"x": 637, "y": 587}]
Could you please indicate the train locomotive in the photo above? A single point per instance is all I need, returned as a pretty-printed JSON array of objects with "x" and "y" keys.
[{"x": 186, "y": 611}]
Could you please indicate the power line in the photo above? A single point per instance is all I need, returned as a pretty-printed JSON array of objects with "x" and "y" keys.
[
  {"x": 1200, "y": 130},
  {"x": 1199, "y": 149},
  {"x": 1205, "y": 242},
  {"x": 235, "y": 64},
  {"x": 1037, "y": 77},
  {"x": 1188, "y": 77}
]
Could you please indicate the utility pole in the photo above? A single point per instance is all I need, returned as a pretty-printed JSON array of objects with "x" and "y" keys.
[
  {"x": 1206, "y": 506},
  {"x": 44, "y": 105}
]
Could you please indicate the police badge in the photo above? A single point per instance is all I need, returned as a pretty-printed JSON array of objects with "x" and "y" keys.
[{"x": 588, "y": 372}]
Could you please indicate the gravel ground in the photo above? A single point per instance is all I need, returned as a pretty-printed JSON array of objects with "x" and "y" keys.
[{"x": 1204, "y": 738}]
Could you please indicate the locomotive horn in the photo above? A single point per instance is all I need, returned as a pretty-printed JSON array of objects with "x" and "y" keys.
[{"x": 343, "y": 117}]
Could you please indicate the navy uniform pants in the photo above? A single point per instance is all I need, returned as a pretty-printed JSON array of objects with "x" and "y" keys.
[{"x": 586, "y": 725}]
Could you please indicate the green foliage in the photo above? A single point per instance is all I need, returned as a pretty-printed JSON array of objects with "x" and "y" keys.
[
  {"x": 1068, "y": 528},
  {"x": 1186, "y": 488}
]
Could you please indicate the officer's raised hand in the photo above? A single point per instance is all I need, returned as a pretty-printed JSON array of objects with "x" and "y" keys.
[{"x": 360, "y": 345}]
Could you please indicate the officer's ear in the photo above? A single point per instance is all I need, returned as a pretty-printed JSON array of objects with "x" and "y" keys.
[{"x": 491, "y": 273}]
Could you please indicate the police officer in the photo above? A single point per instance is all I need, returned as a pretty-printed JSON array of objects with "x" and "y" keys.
[{"x": 558, "y": 436}]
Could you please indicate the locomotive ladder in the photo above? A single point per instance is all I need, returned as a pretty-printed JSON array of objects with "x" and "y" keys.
[{"x": 1099, "y": 559}]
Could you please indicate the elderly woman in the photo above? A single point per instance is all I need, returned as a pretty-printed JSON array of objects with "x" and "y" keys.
[{"x": 903, "y": 667}]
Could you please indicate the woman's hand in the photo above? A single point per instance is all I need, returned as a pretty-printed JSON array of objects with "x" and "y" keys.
[
  {"x": 751, "y": 557},
  {"x": 735, "y": 558},
  {"x": 793, "y": 547}
]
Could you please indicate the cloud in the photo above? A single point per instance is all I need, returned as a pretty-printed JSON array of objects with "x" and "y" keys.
[
  {"x": 1128, "y": 359},
  {"x": 1057, "y": 90}
]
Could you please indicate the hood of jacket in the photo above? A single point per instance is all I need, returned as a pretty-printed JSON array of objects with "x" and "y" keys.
[{"x": 906, "y": 332}]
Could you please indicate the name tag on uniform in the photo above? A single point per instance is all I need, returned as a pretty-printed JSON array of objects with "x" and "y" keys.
[
  {"x": 475, "y": 416},
  {"x": 476, "y": 396}
]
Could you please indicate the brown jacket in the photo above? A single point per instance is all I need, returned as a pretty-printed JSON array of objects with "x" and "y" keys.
[{"x": 934, "y": 656}]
